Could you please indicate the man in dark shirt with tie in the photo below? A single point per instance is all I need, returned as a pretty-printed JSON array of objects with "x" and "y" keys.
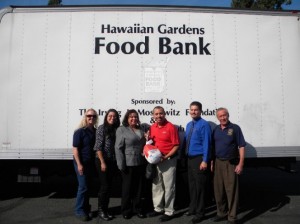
[{"x": 198, "y": 140}]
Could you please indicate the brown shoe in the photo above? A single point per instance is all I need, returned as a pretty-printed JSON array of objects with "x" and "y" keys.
[{"x": 218, "y": 218}]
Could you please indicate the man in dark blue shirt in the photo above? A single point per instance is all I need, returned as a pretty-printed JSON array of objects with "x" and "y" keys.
[
  {"x": 228, "y": 153},
  {"x": 198, "y": 143}
]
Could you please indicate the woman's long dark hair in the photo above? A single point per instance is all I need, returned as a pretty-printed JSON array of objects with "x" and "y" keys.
[{"x": 110, "y": 129}]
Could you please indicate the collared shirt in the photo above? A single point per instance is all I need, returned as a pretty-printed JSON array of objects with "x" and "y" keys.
[
  {"x": 165, "y": 137},
  {"x": 226, "y": 142},
  {"x": 84, "y": 140},
  {"x": 200, "y": 139}
]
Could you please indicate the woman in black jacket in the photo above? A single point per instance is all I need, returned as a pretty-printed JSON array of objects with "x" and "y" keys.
[{"x": 105, "y": 160}]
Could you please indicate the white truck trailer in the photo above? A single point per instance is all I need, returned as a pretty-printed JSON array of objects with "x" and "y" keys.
[{"x": 57, "y": 62}]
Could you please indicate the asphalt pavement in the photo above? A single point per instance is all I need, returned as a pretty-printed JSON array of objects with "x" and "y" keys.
[{"x": 268, "y": 196}]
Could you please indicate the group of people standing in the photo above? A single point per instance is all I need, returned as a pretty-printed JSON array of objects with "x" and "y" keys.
[{"x": 112, "y": 147}]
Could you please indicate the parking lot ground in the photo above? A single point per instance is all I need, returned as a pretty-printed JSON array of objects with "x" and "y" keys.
[{"x": 268, "y": 196}]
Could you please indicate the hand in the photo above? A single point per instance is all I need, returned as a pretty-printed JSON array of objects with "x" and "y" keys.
[
  {"x": 161, "y": 159},
  {"x": 80, "y": 169},
  {"x": 103, "y": 167},
  {"x": 146, "y": 135},
  {"x": 203, "y": 165},
  {"x": 238, "y": 169},
  {"x": 212, "y": 166},
  {"x": 165, "y": 157}
]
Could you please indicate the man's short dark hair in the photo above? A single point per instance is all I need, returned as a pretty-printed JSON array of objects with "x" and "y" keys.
[
  {"x": 159, "y": 108},
  {"x": 196, "y": 103}
]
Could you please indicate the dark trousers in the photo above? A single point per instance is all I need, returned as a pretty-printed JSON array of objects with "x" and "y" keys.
[
  {"x": 132, "y": 188},
  {"x": 105, "y": 179},
  {"x": 226, "y": 188},
  {"x": 197, "y": 185}
]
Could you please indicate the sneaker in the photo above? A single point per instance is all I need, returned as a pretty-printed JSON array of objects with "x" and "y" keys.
[{"x": 165, "y": 218}]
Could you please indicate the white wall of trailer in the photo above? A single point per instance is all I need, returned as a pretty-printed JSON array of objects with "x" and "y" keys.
[{"x": 248, "y": 62}]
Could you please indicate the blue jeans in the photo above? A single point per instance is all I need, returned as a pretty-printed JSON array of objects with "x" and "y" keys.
[{"x": 82, "y": 206}]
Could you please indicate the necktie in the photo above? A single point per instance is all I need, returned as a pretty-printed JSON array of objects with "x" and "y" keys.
[{"x": 189, "y": 139}]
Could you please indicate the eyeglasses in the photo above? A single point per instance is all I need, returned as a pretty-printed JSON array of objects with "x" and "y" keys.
[{"x": 89, "y": 116}]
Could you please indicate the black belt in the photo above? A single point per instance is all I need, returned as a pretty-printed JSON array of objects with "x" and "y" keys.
[
  {"x": 192, "y": 157},
  {"x": 223, "y": 159}
]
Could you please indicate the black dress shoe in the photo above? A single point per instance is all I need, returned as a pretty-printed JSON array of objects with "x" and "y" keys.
[
  {"x": 141, "y": 215},
  {"x": 104, "y": 216},
  {"x": 189, "y": 213},
  {"x": 165, "y": 218},
  {"x": 127, "y": 216},
  {"x": 197, "y": 219},
  {"x": 111, "y": 216},
  {"x": 218, "y": 218},
  {"x": 155, "y": 213}
]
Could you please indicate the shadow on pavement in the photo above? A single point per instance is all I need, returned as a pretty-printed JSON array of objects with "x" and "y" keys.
[{"x": 266, "y": 190}]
